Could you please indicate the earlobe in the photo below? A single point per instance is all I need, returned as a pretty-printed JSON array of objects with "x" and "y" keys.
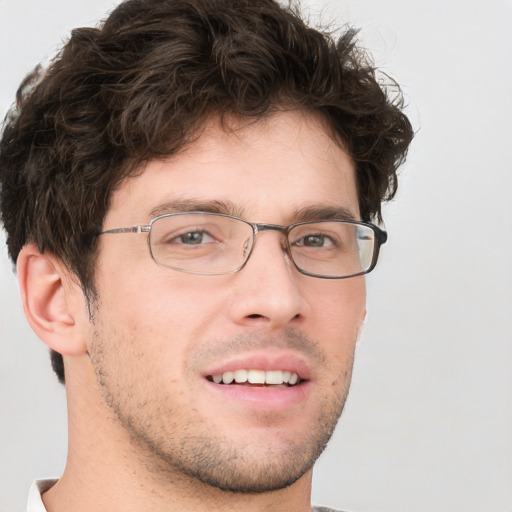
[{"x": 47, "y": 291}]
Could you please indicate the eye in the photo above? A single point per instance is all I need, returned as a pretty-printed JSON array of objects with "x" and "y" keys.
[
  {"x": 315, "y": 240},
  {"x": 192, "y": 238}
]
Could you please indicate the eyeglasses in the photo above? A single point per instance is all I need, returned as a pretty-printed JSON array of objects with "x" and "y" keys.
[{"x": 215, "y": 244}]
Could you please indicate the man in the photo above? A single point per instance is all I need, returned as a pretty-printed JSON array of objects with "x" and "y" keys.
[{"x": 188, "y": 193}]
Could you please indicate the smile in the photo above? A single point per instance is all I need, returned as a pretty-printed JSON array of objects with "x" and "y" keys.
[{"x": 257, "y": 377}]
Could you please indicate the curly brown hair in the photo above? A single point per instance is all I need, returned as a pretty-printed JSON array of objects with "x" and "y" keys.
[{"x": 139, "y": 86}]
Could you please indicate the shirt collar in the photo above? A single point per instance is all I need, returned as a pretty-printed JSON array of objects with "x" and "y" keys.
[{"x": 35, "y": 503}]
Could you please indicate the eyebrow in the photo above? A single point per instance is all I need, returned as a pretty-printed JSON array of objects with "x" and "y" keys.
[
  {"x": 320, "y": 212},
  {"x": 305, "y": 214},
  {"x": 192, "y": 205}
]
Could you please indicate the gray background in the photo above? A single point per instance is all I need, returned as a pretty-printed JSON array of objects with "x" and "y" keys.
[{"x": 428, "y": 425}]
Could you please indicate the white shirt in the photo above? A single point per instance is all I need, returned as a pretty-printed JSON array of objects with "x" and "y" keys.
[{"x": 35, "y": 503}]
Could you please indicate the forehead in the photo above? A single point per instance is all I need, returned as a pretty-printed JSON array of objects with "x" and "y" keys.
[{"x": 265, "y": 170}]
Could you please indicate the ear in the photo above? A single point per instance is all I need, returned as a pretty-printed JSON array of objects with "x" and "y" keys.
[{"x": 53, "y": 301}]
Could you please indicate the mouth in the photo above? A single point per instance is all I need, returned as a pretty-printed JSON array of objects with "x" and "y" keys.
[
  {"x": 257, "y": 378},
  {"x": 271, "y": 380}
]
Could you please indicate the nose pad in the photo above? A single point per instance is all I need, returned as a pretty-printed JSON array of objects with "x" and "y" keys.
[
  {"x": 251, "y": 243},
  {"x": 246, "y": 247},
  {"x": 270, "y": 227}
]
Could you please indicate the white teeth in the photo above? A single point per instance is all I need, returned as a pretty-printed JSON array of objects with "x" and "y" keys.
[
  {"x": 272, "y": 377},
  {"x": 227, "y": 377},
  {"x": 256, "y": 376},
  {"x": 240, "y": 376}
]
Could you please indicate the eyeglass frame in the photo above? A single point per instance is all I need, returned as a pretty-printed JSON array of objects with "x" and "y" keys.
[{"x": 380, "y": 238}]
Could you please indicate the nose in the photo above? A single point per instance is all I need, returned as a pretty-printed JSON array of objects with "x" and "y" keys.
[{"x": 269, "y": 290}]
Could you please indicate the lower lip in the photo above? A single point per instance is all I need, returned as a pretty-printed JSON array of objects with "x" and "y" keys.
[{"x": 261, "y": 397}]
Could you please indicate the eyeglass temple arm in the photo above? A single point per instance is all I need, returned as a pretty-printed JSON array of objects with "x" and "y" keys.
[{"x": 134, "y": 229}]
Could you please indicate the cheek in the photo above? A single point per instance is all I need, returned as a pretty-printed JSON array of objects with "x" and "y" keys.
[
  {"x": 140, "y": 291},
  {"x": 339, "y": 311},
  {"x": 164, "y": 313},
  {"x": 342, "y": 302}
]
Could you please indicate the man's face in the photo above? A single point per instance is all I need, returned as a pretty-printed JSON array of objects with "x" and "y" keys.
[{"x": 159, "y": 335}]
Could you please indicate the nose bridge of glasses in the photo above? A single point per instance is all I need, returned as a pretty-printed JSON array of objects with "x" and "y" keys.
[
  {"x": 259, "y": 228},
  {"x": 270, "y": 227}
]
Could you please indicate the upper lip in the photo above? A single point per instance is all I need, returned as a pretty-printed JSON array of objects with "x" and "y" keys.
[{"x": 262, "y": 361}]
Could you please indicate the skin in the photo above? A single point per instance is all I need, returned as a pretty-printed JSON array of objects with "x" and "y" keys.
[{"x": 147, "y": 431}]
